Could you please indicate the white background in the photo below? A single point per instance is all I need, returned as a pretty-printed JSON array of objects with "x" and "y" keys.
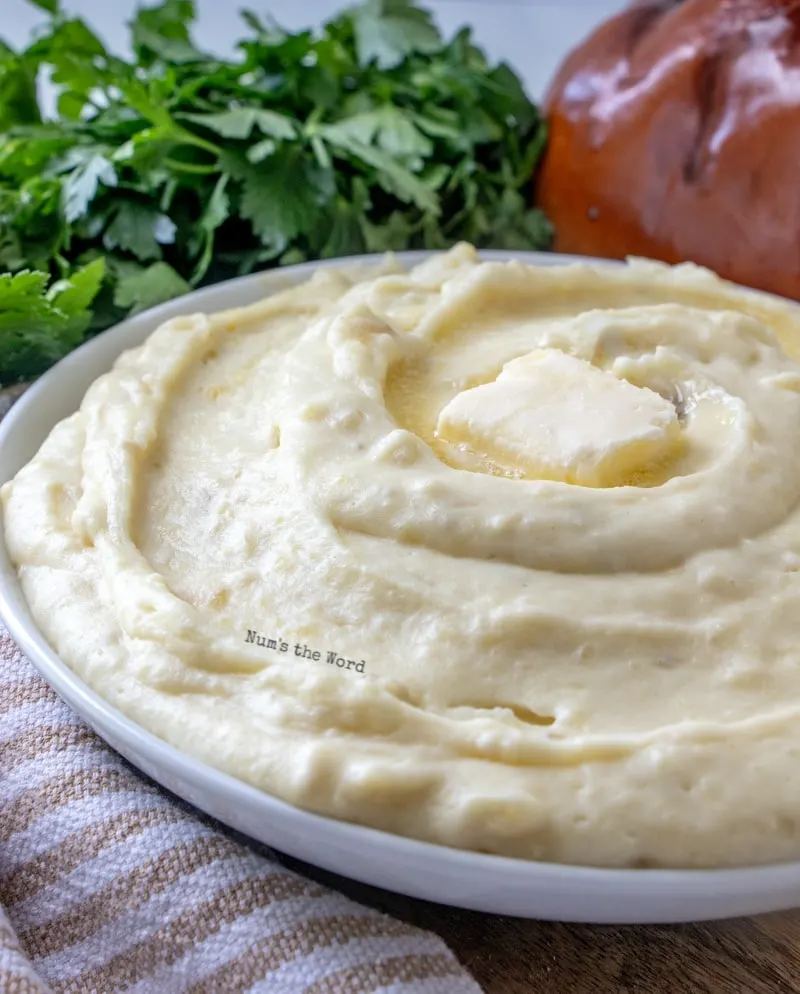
[{"x": 533, "y": 35}]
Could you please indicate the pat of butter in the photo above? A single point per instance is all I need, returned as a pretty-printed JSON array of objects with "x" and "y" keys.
[{"x": 552, "y": 416}]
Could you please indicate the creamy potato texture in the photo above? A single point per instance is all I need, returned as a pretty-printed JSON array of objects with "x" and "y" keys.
[{"x": 499, "y": 556}]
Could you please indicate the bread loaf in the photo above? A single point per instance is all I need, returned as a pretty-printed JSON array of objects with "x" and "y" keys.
[{"x": 675, "y": 134}]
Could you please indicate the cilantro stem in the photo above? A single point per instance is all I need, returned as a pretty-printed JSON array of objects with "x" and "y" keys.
[
  {"x": 189, "y": 138},
  {"x": 190, "y": 167},
  {"x": 62, "y": 264},
  {"x": 313, "y": 120}
]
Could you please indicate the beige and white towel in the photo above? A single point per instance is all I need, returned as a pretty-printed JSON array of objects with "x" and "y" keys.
[{"x": 108, "y": 883}]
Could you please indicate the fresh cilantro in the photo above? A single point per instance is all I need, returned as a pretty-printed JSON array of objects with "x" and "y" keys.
[
  {"x": 389, "y": 174},
  {"x": 240, "y": 123},
  {"x": 283, "y": 195},
  {"x": 216, "y": 212},
  {"x": 146, "y": 288},
  {"x": 162, "y": 33},
  {"x": 17, "y": 90},
  {"x": 140, "y": 229},
  {"x": 262, "y": 150},
  {"x": 38, "y": 326},
  {"x": 84, "y": 177},
  {"x": 387, "y": 31},
  {"x": 390, "y": 129},
  {"x": 74, "y": 296},
  {"x": 173, "y": 168}
]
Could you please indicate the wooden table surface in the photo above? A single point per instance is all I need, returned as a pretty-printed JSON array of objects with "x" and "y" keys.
[{"x": 514, "y": 956}]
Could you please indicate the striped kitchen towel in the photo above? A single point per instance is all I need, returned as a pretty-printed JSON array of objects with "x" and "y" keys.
[{"x": 108, "y": 883}]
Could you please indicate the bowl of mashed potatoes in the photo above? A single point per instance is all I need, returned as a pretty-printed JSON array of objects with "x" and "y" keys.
[{"x": 473, "y": 576}]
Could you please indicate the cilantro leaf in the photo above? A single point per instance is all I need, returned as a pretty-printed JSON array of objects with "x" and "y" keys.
[
  {"x": 261, "y": 150},
  {"x": 65, "y": 46},
  {"x": 140, "y": 229},
  {"x": 17, "y": 90},
  {"x": 163, "y": 32},
  {"x": 38, "y": 327},
  {"x": 82, "y": 183},
  {"x": 77, "y": 62},
  {"x": 282, "y": 196},
  {"x": 240, "y": 123},
  {"x": 146, "y": 288},
  {"x": 387, "y": 31},
  {"x": 390, "y": 129},
  {"x": 390, "y": 175},
  {"x": 394, "y": 234},
  {"x": 24, "y": 289},
  {"x": 75, "y": 294}
]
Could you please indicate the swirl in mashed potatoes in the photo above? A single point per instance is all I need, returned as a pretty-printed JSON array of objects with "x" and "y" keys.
[{"x": 530, "y": 537}]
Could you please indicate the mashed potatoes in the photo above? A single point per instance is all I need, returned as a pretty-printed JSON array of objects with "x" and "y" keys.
[{"x": 498, "y": 556}]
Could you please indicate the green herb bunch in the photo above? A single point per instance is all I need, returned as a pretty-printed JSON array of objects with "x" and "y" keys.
[{"x": 174, "y": 168}]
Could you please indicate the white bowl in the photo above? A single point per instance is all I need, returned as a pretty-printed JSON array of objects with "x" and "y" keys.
[{"x": 436, "y": 873}]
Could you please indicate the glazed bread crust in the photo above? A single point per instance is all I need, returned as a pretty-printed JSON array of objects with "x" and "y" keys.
[{"x": 675, "y": 135}]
